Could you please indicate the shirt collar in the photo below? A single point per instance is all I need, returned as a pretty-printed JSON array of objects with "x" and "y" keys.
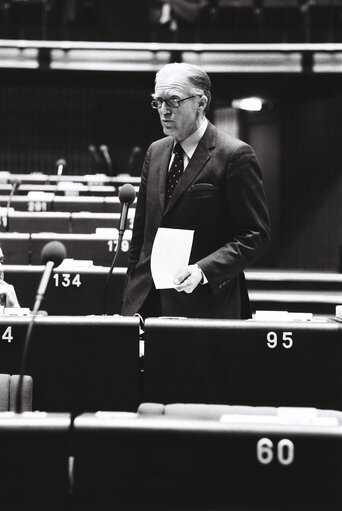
[{"x": 189, "y": 144}]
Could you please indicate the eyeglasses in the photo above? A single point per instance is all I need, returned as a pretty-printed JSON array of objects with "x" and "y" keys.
[{"x": 171, "y": 102}]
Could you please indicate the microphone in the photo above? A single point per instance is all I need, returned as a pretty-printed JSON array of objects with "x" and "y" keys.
[
  {"x": 135, "y": 161},
  {"x": 52, "y": 254},
  {"x": 61, "y": 163},
  {"x": 104, "y": 150},
  {"x": 92, "y": 149},
  {"x": 126, "y": 197},
  {"x": 15, "y": 185}
]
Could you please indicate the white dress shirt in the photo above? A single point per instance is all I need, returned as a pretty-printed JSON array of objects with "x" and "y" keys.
[{"x": 190, "y": 144}]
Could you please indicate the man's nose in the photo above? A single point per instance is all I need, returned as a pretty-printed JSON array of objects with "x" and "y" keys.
[{"x": 164, "y": 108}]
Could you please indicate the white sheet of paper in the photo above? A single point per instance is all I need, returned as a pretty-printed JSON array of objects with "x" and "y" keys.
[{"x": 170, "y": 254}]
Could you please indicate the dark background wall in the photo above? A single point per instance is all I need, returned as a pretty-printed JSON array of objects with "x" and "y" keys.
[
  {"x": 46, "y": 117},
  {"x": 262, "y": 132},
  {"x": 298, "y": 144},
  {"x": 311, "y": 183}
]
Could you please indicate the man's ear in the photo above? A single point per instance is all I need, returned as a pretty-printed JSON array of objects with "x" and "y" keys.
[{"x": 203, "y": 102}]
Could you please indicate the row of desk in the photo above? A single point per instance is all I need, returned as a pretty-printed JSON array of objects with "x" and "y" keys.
[
  {"x": 62, "y": 222},
  {"x": 21, "y": 249},
  {"x": 42, "y": 201},
  {"x": 77, "y": 289},
  {"x": 40, "y": 178},
  {"x": 99, "y": 362},
  {"x": 74, "y": 227},
  {"x": 129, "y": 462},
  {"x": 66, "y": 188}
]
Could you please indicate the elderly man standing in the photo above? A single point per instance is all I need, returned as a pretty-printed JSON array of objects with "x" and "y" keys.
[{"x": 201, "y": 179}]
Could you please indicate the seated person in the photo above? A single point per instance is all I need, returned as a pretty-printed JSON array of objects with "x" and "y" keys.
[{"x": 8, "y": 296}]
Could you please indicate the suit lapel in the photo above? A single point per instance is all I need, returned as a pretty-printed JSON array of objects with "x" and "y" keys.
[
  {"x": 163, "y": 169},
  {"x": 197, "y": 162}
]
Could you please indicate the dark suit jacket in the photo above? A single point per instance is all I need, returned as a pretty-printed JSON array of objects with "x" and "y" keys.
[{"x": 221, "y": 197}]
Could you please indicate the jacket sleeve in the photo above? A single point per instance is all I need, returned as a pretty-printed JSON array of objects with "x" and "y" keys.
[{"x": 248, "y": 218}]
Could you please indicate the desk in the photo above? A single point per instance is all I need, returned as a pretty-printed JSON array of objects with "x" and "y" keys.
[
  {"x": 46, "y": 221},
  {"x": 99, "y": 248},
  {"x": 60, "y": 203},
  {"x": 89, "y": 179},
  {"x": 70, "y": 291},
  {"x": 63, "y": 188},
  {"x": 295, "y": 291},
  {"x": 34, "y": 461},
  {"x": 274, "y": 363},
  {"x": 162, "y": 463},
  {"x": 77, "y": 363},
  {"x": 63, "y": 222}
]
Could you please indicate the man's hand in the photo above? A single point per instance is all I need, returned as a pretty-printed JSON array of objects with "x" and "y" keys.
[{"x": 188, "y": 279}]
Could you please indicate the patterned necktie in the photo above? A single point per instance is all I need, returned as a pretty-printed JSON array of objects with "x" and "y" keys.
[{"x": 175, "y": 172}]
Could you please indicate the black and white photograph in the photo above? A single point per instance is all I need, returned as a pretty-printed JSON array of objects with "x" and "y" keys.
[{"x": 171, "y": 255}]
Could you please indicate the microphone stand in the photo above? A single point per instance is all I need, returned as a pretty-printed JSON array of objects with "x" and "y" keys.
[
  {"x": 40, "y": 295},
  {"x": 54, "y": 255},
  {"x": 14, "y": 187},
  {"x": 18, "y": 400},
  {"x": 126, "y": 196},
  {"x": 105, "y": 291}
]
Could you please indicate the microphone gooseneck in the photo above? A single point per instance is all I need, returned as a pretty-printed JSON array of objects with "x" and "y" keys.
[
  {"x": 52, "y": 254},
  {"x": 134, "y": 160},
  {"x": 15, "y": 185},
  {"x": 104, "y": 150},
  {"x": 126, "y": 197},
  {"x": 61, "y": 164},
  {"x": 92, "y": 149}
]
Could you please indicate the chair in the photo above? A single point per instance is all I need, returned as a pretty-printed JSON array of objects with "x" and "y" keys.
[{"x": 8, "y": 390}]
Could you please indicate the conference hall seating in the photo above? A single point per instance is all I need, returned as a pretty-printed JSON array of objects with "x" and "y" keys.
[
  {"x": 35, "y": 461},
  {"x": 8, "y": 392},
  {"x": 75, "y": 283},
  {"x": 296, "y": 291},
  {"x": 176, "y": 457},
  {"x": 98, "y": 247},
  {"x": 39, "y": 178},
  {"x": 74, "y": 290},
  {"x": 232, "y": 459},
  {"x": 77, "y": 286},
  {"x": 43, "y": 201},
  {"x": 77, "y": 363},
  {"x": 62, "y": 222},
  {"x": 61, "y": 188},
  {"x": 269, "y": 362}
]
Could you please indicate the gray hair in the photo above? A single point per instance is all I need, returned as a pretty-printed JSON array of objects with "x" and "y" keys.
[{"x": 197, "y": 78}]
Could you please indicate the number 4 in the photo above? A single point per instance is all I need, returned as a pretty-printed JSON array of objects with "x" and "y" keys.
[
  {"x": 7, "y": 335},
  {"x": 76, "y": 281}
]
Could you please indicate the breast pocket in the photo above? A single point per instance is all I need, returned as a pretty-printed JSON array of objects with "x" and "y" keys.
[{"x": 204, "y": 190}]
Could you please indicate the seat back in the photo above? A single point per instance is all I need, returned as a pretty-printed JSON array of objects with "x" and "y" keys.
[{"x": 8, "y": 391}]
